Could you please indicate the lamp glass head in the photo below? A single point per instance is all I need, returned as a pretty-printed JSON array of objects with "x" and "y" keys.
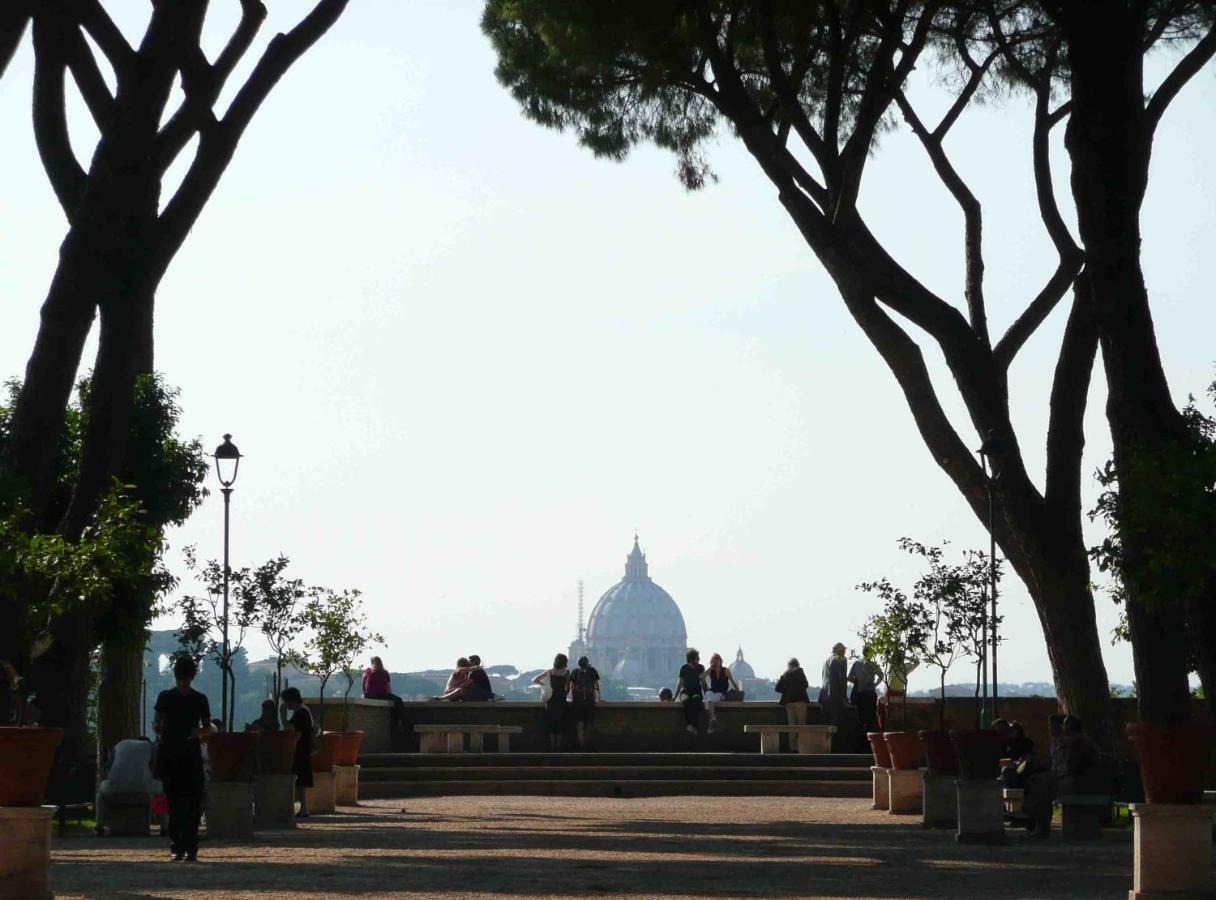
[{"x": 227, "y": 461}]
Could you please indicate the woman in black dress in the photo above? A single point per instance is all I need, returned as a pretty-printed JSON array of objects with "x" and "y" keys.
[
  {"x": 301, "y": 763},
  {"x": 558, "y": 681}
]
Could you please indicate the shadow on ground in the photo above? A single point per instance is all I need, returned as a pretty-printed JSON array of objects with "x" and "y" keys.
[{"x": 536, "y": 847}]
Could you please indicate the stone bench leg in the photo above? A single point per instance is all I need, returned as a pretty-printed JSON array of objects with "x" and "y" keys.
[
  {"x": 431, "y": 742},
  {"x": 321, "y": 794},
  {"x": 455, "y": 741},
  {"x": 1173, "y": 850},
  {"x": 274, "y": 800},
  {"x": 770, "y": 742},
  {"x": 981, "y": 812},
  {"x": 230, "y": 809},
  {"x": 504, "y": 742},
  {"x": 346, "y": 785},
  {"x": 814, "y": 742},
  {"x": 882, "y": 787},
  {"x": 477, "y": 741},
  {"x": 25, "y": 851},
  {"x": 940, "y": 808},
  {"x": 905, "y": 790}
]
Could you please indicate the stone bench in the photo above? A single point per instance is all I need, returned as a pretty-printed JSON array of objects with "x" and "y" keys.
[
  {"x": 810, "y": 738},
  {"x": 1013, "y": 798},
  {"x": 450, "y": 738},
  {"x": 1082, "y": 816}
]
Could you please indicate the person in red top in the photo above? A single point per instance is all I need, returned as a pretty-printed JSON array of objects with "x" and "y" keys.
[{"x": 378, "y": 685}]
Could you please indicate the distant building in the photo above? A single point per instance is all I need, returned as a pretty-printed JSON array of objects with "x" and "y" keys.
[
  {"x": 753, "y": 688},
  {"x": 636, "y": 634}
]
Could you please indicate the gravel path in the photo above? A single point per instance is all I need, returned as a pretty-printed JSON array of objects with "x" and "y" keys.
[{"x": 564, "y": 847}]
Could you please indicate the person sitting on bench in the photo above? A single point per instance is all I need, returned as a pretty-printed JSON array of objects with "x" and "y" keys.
[
  {"x": 130, "y": 772},
  {"x": 1082, "y": 774}
]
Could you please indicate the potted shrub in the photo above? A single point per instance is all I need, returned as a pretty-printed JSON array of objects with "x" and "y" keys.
[
  {"x": 328, "y": 749},
  {"x": 348, "y": 752},
  {"x": 27, "y": 754},
  {"x": 275, "y": 751},
  {"x": 230, "y": 754},
  {"x": 905, "y": 749},
  {"x": 1173, "y": 760},
  {"x": 882, "y": 755},
  {"x": 337, "y": 635},
  {"x": 939, "y": 753},
  {"x": 978, "y": 752}
]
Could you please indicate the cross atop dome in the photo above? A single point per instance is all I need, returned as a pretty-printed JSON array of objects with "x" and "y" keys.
[{"x": 635, "y": 564}]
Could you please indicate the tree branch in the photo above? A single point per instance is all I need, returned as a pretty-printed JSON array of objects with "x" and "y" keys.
[
  {"x": 203, "y": 84},
  {"x": 218, "y": 143},
  {"x": 960, "y": 102},
  {"x": 1186, "y": 69},
  {"x": 88, "y": 77},
  {"x": 14, "y": 16},
  {"x": 50, "y": 115},
  {"x": 973, "y": 251},
  {"x": 101, "y": 28},
  {"x": 1069, "y": 396},
  {"x": 1070, "y": 255}
]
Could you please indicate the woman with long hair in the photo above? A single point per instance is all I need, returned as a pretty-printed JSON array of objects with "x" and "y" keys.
[
  {"x": 720, "y": 680},
  {"x": 558, "y": 681}
]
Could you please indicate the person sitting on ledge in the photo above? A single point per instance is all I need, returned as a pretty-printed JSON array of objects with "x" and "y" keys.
[
  {"x": 691, "y": 685},
  {"x": 720, "y": 682},
  {"x": 457, "y": 681},
  {"x": 378, "y": 685},
  {"x": 268, "y": 720},
  {"x": 1017, "y": 758},
  {"x": 1082, "y": 775}
]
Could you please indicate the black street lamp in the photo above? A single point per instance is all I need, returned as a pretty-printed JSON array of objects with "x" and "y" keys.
[
  {"x": 990, "y": 452},
  {"x": 227, "y": 462}
]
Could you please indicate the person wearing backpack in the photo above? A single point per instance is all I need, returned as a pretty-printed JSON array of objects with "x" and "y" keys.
[{"x": 585, "y": 692}]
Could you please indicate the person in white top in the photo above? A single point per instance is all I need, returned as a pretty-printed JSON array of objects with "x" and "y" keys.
[{"x": 130, "y": 773}]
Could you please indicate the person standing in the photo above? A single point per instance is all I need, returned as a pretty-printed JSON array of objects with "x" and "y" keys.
[
  {"x": 585, "y": 692},
  {"x": 834, "y": 687},
  {"x": 691, "y": 684},
  {"x": 864, "y": 676},
  {"x": 792, "y": 686},
  {"x": 301, "y": 762},
  {"x": 556, "y": 707},
  {"x": 182, "y": 720},
  {"x": 719, "y": 680}
]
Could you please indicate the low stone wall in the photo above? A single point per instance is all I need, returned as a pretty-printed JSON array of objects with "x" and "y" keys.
[
  {"x": 372, "y": 717},
  {"x": 649, "y": 727}
]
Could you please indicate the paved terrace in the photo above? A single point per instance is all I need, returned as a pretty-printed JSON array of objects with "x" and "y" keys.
[{"x": 561, "y": 847}]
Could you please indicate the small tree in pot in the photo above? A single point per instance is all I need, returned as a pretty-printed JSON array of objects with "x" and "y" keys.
[
  {"x": 896, "y": 636},
  {"x": 280, "y": 616},
  {"x": 337, "y": 635}
]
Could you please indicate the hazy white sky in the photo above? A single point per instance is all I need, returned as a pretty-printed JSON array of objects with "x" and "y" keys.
[{"x": 465, "y": 359}]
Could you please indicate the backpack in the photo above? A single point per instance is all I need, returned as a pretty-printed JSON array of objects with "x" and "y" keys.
[{"x": 584, "y": 684}]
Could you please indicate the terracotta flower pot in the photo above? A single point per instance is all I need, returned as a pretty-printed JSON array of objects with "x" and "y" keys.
[
  {"x": 882, "y": 756},
  {"x": 1173, "y": 760},
  {"x": 905, "y": 749},
  {"x": 229, "y": 753},
  {"x": 979, "y": 753},
  {"x": 348, "y": 752},
  {"x": 26, "y": 757},
  {"x": 275, "y": 751},
  {"x": 939, "y": 753},
  {"x": 328, "y": 749}
]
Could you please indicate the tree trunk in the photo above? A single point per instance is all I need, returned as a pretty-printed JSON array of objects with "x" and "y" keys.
[
  {"x": 118, "y": 695},
  {"x": 60, "y": 679},
  {"x": 1108, "y": 140}
]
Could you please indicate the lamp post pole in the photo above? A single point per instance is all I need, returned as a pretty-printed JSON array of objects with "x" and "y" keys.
[
  {"x": 226, "y": 454},
  {"x": 992, "y": 588},
  {"x": 227, "y": 663}
]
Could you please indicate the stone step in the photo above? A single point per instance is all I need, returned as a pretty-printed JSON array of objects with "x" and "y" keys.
[
  {"x": 684, "y": 760},
  {"x": 616, "y": 788},
  {"x": 611, "y": 773}
]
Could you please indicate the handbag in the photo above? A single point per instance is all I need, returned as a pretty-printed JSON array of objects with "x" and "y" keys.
[{"x": 733, "y": 696}]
